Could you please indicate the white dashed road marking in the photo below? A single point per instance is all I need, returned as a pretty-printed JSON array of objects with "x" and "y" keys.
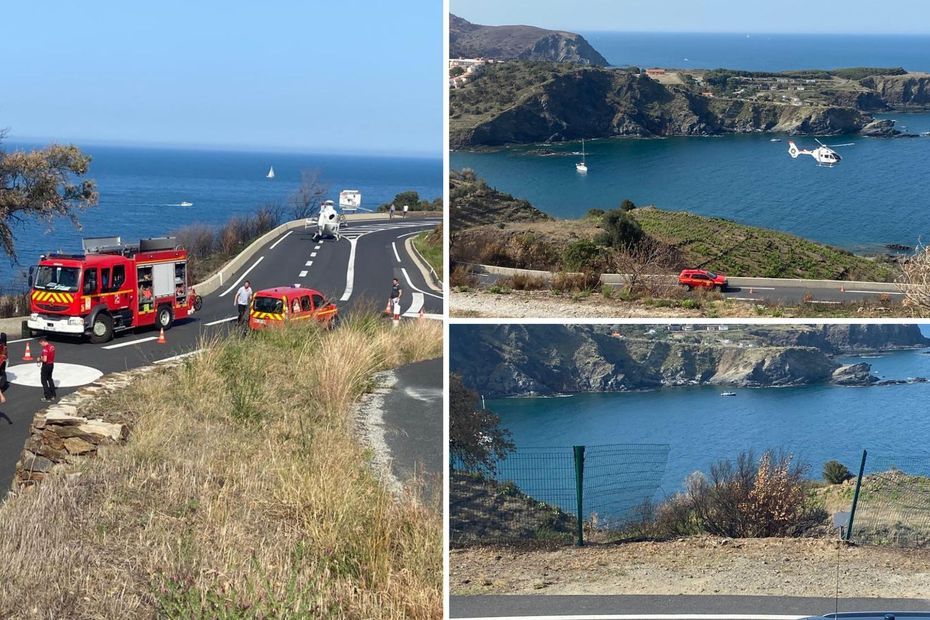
[
  {"x": 308, "y": 263},
  {"x": 64, "y": 375},
  {"x": 130, "y": 343},
  {"x": 396, "y": 255},
  {"x": 303, "y": 274},
  {"x": 226, "y": 320},
  {"x": 312, "y": 254}
]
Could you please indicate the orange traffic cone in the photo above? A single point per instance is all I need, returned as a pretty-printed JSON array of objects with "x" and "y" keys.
[
  {"x": 28, "y": 356},
  {"x": 161, "y": 336}
]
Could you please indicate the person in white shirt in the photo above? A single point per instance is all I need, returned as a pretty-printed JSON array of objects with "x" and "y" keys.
[
  {"x": 405, "y": 211},
  {"x": 243, "y": 297}
]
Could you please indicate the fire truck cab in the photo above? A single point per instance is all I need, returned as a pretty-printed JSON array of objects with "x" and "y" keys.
[{"x": 110, "y": 287}]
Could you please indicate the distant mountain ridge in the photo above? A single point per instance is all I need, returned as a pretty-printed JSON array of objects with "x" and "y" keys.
[{"x": 468, "y": 40}]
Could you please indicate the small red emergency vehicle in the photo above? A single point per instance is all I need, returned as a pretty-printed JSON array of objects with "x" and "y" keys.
[
  {"x": 274, "y": 307},
  {"x": 110, "y": 287}
]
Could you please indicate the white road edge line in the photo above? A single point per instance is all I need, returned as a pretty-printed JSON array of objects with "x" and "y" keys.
[
  {"x": 21, "y": 340},
  {"x": 876, "y": 292},
  {"x": 407, "y": 277},
  {"x": 350, "y": 271},
  {"x": 177, "y": 357},
  {"x": 396, "y": 255},
  {"x": 130, "y": 343},
  {"x": 226, "y": 320},
  {"x": 280, "y": 239},
  {"x": 242, "y": 277},
  {"x": 643, "y": 617}
]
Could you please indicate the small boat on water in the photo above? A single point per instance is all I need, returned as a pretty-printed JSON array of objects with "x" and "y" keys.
[
  {"x": 581, "y": 167},
  {"x": 775, "y": 140},
  {"x": 185, "y": 204},
  {"x": 728, "y": 393},
  {"x": 270, "y": 174}
]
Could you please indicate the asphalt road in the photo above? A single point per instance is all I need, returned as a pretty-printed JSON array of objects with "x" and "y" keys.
[
  {"x": 580, "y": 607},
  {"x": 786, "y": 291},
  {"x": 355, "y": 271},
  {"x": 413, "y": 424}
]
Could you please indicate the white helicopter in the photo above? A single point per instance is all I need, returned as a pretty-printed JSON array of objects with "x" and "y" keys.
[
  {"x": 328, "y": 222},
  {"x": 824, "y": 154}
]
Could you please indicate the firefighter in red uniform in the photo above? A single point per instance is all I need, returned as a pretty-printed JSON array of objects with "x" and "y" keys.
[{"x": 47, "y": 360}]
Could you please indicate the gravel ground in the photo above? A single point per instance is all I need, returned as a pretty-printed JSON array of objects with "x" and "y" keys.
[
  {"x": 542, "y": 304},
  {"x": 701, "y": 565}
]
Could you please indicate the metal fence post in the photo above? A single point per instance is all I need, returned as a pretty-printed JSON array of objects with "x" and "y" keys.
[
  {"x": 579, "y": 492},
  {"x": 852, "y": 510}
]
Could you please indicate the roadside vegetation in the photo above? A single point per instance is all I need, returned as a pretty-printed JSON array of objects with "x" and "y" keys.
[
  {"x": 413, "y": 201},
  {"x": 242, "y": 492},
  {"x": 430, "y": 245}
]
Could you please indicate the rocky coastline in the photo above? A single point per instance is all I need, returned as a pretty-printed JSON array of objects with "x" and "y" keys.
[{"x": 553, "y": 360}]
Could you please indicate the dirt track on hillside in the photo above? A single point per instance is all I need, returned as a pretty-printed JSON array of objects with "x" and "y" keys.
[{"x": 773, "y": 567}]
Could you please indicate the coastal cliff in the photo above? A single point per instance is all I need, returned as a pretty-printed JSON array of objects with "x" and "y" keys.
[
  {"x": 540, "y": 102},
  {"x": 468, "y": 40},
  {"x": 513, "y": 360}
]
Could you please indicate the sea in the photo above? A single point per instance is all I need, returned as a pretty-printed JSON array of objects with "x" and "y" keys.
[
  {"x": 878, "y": 195},
  {"x": 814, "y": 423},
  {"x": 142, "y": 188}
]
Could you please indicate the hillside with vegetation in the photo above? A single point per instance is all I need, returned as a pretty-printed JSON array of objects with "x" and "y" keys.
[
  {"x": 531, "y": 102},
  {"x": 489, "y": 227},
  {"x": 242, "y": 491},
  {"x": 468, "y": 40}
]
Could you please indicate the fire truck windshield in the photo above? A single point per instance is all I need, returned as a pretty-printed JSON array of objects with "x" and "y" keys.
[{"x": 57, "y": 278}]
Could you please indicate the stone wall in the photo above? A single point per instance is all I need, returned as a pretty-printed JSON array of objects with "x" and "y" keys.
[{"x": 71, "y": 430}]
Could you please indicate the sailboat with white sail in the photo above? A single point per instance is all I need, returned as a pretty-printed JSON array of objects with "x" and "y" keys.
[
  {"x": 270, "y": 174},
  {"x": 581, "y": 166}
]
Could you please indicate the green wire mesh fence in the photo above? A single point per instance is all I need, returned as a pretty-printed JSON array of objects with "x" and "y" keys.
[
  {"x": 534, "y": 494},
  {"x": 893, "y": 504}
]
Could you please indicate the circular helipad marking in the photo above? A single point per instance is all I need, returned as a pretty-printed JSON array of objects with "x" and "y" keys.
[{"x": 64, "y": 375}]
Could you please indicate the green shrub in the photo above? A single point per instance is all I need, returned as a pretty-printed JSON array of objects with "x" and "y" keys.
[
  {"x": 620, "y": 230},
  {"x": 835, "y": 472},
  {"x": 583, "y": 255}
]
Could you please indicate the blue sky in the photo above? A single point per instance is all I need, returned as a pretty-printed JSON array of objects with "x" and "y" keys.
[
  {"x": 742, "y": 16},
  {"x": 316, "y": 76}
]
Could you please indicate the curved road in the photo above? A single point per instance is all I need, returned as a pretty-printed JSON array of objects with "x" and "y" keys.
[{"x": 355, "y": 272}]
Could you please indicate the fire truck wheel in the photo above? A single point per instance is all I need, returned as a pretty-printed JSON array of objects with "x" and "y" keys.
[
  {"x": 102, "y": 329},
  {"x": 165, "y": 317},
  {"x": 198, "y": 302}
]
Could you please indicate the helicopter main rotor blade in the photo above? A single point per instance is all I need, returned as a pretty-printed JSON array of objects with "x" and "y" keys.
[{"x": 845, "y": 144}]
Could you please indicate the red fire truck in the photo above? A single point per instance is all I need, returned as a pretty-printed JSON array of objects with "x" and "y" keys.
[{"x": 111, "y": 287}]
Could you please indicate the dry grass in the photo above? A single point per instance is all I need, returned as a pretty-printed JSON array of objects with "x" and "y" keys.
[{"x": 242, "y": 492}]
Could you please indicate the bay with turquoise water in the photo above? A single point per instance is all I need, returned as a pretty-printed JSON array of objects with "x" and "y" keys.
[
  {"x": 879, "y": 193},
  {"x": 814, "y": 423},
  {"x": 141, "y": 190}
]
